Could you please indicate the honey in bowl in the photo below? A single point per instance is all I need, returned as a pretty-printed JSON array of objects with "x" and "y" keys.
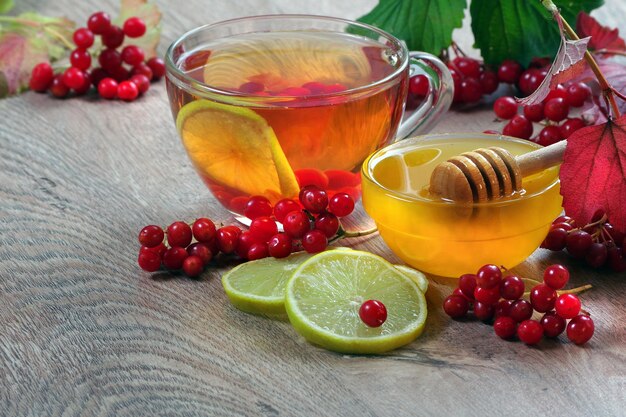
[{"x": 447, "y": 238}]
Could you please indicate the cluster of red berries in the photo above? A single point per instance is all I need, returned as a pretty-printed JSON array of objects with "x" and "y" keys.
[
  {"x": 491, "y": 296},
  {"x": 308, "y": 225},
  {"x": 597, "y": 243},
  {"x": 552, "y": 113},
  {"x": 122, "y": 74}
]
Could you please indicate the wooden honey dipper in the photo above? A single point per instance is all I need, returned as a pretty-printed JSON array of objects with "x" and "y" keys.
[{"x": 490, "y": 173}]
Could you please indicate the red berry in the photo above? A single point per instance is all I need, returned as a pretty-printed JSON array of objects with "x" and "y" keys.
[
  {"x": 483, "y": 311},
  {"x": 127, "y": 91},
  {"x": 552, "y": 324},
  {"x": 157, "y": 66},
  {"x": 549, "y": 135},
  {"x": 577, "y": 94},
  {"x": 107, "y": 88},
  {"x": 467, "y": 284},
  {"x": 373, "y": 313},
  {"x": 201, "y": 250},
  {"x": 530, "y": 332},
  {"x": 502, "y": 308},
  {"x": 203, "y": 230},
  {"x": 262, "y": 229},
  {"x": 257, "y": 251},
  {"x": 469, "y": 67},
  {"x": 580, "y": 329},
  {"x": 570, "y": 126},
  {"x": 120, "y": 74},
  {"x": 97, "y": 75},
  {"x": 567, "y": 306},
  {"x": 283, "y": 207},
  {"x": 519, "y": 127},
  {"x": 41, "y": 77},
  {"x": 132, "y": 55},
  {"x": 488, "y": 276},
  {"x": 179, "y": 234},
  {"x": 134, "y": 27},
  {"x": 328, "y": 223},
  {"x": 251, "y": 87},
  {"x": 471, "y": 91},
  {"x": 99, "y": 22},
  {"x": 314, "y": 241},
  {"x": 151, "y": 236},
  {"x": 505, "y": 107},
  {"x": 556, "y": 109},
  {"x": 509, "y": 71},
  {"x": 113, "y": 37},
  {"x": 159, "y": 249},
  {"x": 455, "y": 306},
  {"x": 58, "y": 87},
  {"x": 457, "y": 291},
  {"x": 296, "y": 224},
  {"x": 141, "y": 81},
  {"x": 227, "y": 237},
  {"x": 257, "y": 206},
  {"x": 341, "y": 205},
  {"x": 83, "y": 38},
  {"x": 578, "y": 243},
  {"x": 534, "y": 112},
  {"x": 488, "y": 82},
  {"x": 311, "y": 177},
  {"x": 487, "y": 295},
  {"x": 280, "y": 245},
  {"x": 511, "y": 287},
  {"x": 597, "y": 255},
  {"x": 419, "y": 85},
  {"x": 556, "y": 276},
  {"x": 244, "y": 243},
  {"x": 142, "y": 69},
  {"x": 193, "y": 266},
  {"x": 81, "y": 59},
  {"x": 149, "y": 261},
  {"x": 174, "y": 257},
  {"x": 505, "y": 327},
  {"x": 542, "y": 298},
  {"x": 530, "y": 80},
  {"x": 73, "y": 78},
  {"x": 558, "y": 91},
  {"x": 456, "y": 79},
  {"x": 110, "y": 59},
  {"x": 520, "y": 310},
  {"x": 314, "y": 200}
]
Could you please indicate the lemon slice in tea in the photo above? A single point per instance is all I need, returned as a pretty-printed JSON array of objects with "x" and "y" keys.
[
  {"x": 259, "y": 286},
  {"x": 323, "y": 298},
  {"x": 234, "y": 146}
]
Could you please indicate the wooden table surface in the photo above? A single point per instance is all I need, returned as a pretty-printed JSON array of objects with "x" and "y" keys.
[{"x": 83, "y": 331}]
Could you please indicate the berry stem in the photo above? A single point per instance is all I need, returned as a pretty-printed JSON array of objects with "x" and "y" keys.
[
  {"x": 607, "y": 90},
  {"x": 576, "y": 290},
  {"x": 343, "y": 233}
]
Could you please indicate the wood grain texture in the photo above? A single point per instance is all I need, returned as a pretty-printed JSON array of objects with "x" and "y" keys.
[{"x": 83, "y": 332}]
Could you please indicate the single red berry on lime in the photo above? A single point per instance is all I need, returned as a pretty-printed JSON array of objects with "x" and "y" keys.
[
  {"x": 467, "y": 284},
  {"x": 151, "y": 236},
  {"x": 556, "y": 276},
  {"x": 483, "y": 311},
  {"x": 328, "y": 223},
  {"x": 552, "y": 324},
  {"x": 283, "y": 207},
  {"x": 107, "y": 88},
  {"x": 41, "y": 77},
  {"x": 127, "y": 91},
  {"x": 567, "y": 306},
  {"x": 134, "y": 27},
  {"x": 157, "y": 66},
  {"x": 341, "y": 204},
  {"x": 280, "y": 245},
  {"x": 512, "y": 287},
  {"x": 580, "y": 329},
  {"x": 530, "y": 332},
  {"x": 113, "y": 36},
  {"x": 505, "y": 327},
  {"x": 174, "y": 257},
  {"x": 149, "y": 261},
  {"x": 262, "y": 229},
  {"x": 201, "y": 250},
  {"x": 132, "y": 55},
  {"x": 314, "y": 241},
  {"x": 296, "y": 224},
  {"x": 488, "y": 276},
  {"x": 83, "y": 38},
  {"x": 179, "y": 234},
  {"x": 203, "y": 230},
  {"x": 257, "y": 206},
  {"x": 373, "y": 313},
  {"x": 99, "y": 22},
  {"x": 521, "y": 310}
]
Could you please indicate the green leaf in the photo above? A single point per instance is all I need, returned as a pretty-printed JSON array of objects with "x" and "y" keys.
[
  {"x": 520, "y": 29},
  {"x": 5, "y": 6},
  {"x": 425, "y": 25},
  {"x": 151, "y": 15}
]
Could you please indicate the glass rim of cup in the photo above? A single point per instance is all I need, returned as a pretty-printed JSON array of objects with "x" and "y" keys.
[{"x": 188, "y": 83}]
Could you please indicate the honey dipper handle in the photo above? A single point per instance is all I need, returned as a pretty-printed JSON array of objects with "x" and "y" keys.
[{"x": 541, "y": 159}]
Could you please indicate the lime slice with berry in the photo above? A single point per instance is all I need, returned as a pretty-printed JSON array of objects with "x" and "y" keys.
[
  {"x": 418, "y": 277},
  {"x": 325, "y": 293},
  {"x": 235, "y": 147},
  {"x": 259, "y": 286}
]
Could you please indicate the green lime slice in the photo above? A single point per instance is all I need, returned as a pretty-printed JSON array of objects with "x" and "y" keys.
[{"x": 325, "y": 293}]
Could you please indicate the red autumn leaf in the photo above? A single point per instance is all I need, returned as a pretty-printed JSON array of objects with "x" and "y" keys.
[
  {"x": 601, "y": 36},
  {"x": 615, "y": 74},
  {"x": 593, "y": 173},
  {"x": 568, "y": 63}
]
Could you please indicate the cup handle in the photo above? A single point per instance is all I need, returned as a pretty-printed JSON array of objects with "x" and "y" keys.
[{"x": 439, "y": 97}]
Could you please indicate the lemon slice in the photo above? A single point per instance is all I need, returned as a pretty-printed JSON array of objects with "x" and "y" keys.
[
  {"x": 418, "y": 277},
  {"x": 235, "y": 147},
  {"x": 323, "y": 297}
]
